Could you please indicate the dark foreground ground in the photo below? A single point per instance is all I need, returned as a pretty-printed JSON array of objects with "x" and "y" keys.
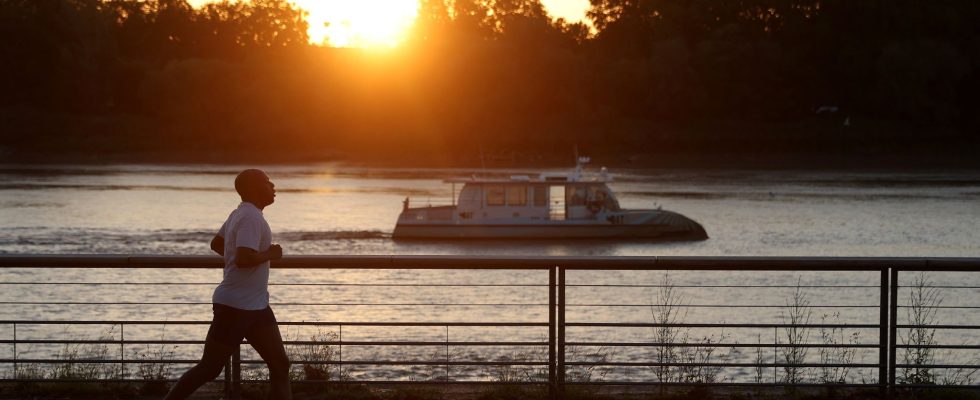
[{"x": 472, "y": 392}]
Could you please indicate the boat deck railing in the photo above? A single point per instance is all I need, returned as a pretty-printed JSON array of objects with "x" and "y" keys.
[
  {"x": 414, "y": 202},
  {"x": 899, "y": 334}
]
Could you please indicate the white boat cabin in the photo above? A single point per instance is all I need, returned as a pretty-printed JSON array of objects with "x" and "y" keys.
[
  {"x": 551, "y": 196},
  {"x": 538, "y": 199}
]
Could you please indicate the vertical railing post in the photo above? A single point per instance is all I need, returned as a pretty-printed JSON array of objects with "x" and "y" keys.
[
  {"x": 15, "y": 352},
  {"x": 884, "y": 303},
  {"x": 447, "y": 353},
  {"x": 775, "y": 354},
  {"x": 340, "y": 352},
  {"x": 552, "y": 334},
  {"x": 122, "y": 351},
  {"x": 893, "y": 329},
  {"x": 561, "y": 332}
]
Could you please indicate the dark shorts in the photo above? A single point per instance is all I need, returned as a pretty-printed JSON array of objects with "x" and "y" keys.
[{"x": 230, "y": 325}]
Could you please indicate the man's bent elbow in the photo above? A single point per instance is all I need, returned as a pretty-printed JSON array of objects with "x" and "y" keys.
[{"x": 218, "y": 245}]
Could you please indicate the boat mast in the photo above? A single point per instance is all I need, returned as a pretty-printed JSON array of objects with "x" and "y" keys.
[{"x": 579, "y": 165}]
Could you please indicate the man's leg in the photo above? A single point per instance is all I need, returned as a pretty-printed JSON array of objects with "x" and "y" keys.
[
  {"x": 214, "y": 358},
  {"x": 267, "y": 342}
]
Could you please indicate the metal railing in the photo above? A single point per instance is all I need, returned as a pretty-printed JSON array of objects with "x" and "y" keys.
[{"x": 607, "y": 347}]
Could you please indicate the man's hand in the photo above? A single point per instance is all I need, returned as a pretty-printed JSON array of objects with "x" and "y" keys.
[{"x": 275, "y": 252}]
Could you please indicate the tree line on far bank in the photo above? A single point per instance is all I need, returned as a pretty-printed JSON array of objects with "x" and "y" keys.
[{"x": 159, "y": 78}]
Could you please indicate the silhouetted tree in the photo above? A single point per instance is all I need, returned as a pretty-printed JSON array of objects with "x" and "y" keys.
[{"x": 667, "y": 75}]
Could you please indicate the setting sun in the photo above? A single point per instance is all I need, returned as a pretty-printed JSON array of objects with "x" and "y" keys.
[
  {"x": 363, "y": 23},
  {"x": 383, "y": 23}
]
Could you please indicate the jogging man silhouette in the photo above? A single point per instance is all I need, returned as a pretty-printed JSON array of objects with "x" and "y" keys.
[{"x": 241, "y": 301}]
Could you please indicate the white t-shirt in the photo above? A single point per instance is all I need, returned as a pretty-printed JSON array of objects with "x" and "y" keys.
[{"x": 244, "y": 288}]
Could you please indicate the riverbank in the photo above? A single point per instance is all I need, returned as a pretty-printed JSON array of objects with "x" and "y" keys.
[
  {"x": 961, "y": 158},
  {"x": 33, "y": 137}
]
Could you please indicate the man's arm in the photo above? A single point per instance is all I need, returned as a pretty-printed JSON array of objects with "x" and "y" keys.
[
  {"x": 247, "y": 258},
  {"x": 218, "y": 245}
]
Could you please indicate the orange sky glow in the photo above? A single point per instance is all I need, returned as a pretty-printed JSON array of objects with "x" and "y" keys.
[{"x": 384, "y": 23}]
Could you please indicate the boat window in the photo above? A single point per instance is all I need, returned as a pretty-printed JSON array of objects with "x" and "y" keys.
[
  {"x": 601, "y": 195},
  {"x": 540, "y": 196},
  {"x": 495, "y": 195},
  {"x": 470, "y": 194},
  {"x": 577, "y": 195},
  {"x": 516, "y": 195}
]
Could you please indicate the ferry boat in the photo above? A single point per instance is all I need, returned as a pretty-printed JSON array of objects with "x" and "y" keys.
[{"x": 569, "y": 205}]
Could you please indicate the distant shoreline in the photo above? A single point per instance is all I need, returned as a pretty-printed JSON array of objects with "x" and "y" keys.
[
  {"x": 812, "y": 143},
  {"x": 810, "y": 161}
]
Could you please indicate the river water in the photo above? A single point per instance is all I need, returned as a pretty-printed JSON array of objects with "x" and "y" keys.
[{"x": 337, "y": 209}]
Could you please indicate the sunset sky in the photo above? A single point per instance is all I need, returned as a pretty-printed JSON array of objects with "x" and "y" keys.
[{"x": 383, "y": 23}]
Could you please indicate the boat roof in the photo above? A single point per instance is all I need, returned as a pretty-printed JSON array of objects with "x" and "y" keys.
[
  {"x": 524, "y": 179},
  {"x": 576, "y": 175}
]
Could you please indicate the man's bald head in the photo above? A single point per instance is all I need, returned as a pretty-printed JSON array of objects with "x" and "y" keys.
[
  {"x": 248, "y": 180},
  {"x": 254, "y": 186}
]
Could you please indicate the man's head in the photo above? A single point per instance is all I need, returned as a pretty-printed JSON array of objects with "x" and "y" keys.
[{"x": 255, "y": 187}]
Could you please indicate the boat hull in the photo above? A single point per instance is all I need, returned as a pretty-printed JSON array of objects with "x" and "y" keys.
[{"x": 666, "y": 226}]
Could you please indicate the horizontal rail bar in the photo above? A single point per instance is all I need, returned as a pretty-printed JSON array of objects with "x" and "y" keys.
[
  {"x": 679, "y": 364},
  {"x": 444, "y": 343},
  {"x": 584, "y": 324},
  {"x": 939, "y": 366},
  {"x": 718, "y": 325},
  {"x": 938, "y": 326},
  {"x": 725, "y": 305},
  {"x": 730, "y": 286},
  {"x": 571, "y": 324},
  {"x": 506, "y": 262},
  {"x": 281, "y": 284},
  {"x": 455, "y": 343},
  {"x": 201, "y": 303},
  {"x": 423, "y": 343},
  {"x": 94, "y": 382},
  {"x": 291, "y": 323},
  {"x": 96, "y": 361},
  {"x": 936, "y": 346},
  {"x": 417, "y": 362},
  {"x": 941, "y": 307},
  {"x": 720, "y": 384},
  {"x": 592, "y": 363},
  {"x": 303, "y": 381},
  {"x": 409, "y": 382},
  {"x": 346, "y": 362},
  {"x": 82, "y": 341},
  {"x": 722, "y": 345},
  {"x": 412, "y": 383},
  {"x": 285, "y": 342},
  {"x": 611, "y": 285}
]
